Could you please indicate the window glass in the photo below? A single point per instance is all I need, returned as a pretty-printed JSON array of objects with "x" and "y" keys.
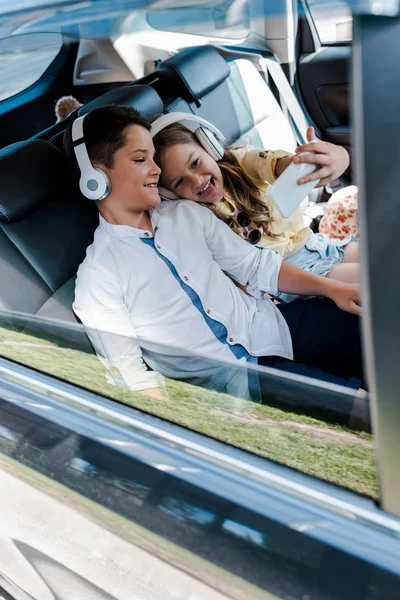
[
  {"x": 24, "y": 59},
  {"x": 229, "y": 20},
  {"x": 300, "y": 424},
  {"x": 332, "y": 19}
]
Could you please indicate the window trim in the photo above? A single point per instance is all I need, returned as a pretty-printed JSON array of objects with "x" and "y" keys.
[
  {"x": 38, "y": 87},
  {"x": 67, "y": 400},
  {"x": 374, "y": 129},
  {"x": 314, "y": 29}
]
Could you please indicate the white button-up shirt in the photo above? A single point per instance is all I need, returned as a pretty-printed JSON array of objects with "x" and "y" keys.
[{"x": 166, "y": 299}]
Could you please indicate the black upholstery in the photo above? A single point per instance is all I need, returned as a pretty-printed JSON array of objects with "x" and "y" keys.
[
  {"x": 197, "y": 71},
  {"x": 141, "y": 97},
  {"x": 241, "y": 105},
  {"x": 46, "y": 225},
  {"x": 29, "y": 175},
  {"x": 45, "y": 233}
]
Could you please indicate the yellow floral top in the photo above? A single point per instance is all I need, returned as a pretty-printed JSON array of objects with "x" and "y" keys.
[{"x": 259, "y": 165}]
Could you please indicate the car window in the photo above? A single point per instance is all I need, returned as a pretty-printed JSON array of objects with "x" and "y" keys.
[
  {"x": 24, "y": 59},
  {"x": 300, "y": 424},
  {"x": 332, "y": 19},
  {"x": 229, "y": 20}
]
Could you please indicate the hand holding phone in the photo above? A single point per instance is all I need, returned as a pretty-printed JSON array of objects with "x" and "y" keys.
[{"x": 286, "y": 193}]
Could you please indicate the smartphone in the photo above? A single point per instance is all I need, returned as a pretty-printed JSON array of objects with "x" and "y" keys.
[{"x": 286, "y": 193}]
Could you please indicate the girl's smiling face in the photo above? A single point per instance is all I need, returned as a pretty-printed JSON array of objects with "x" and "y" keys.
[{"x": 190, "y": 172}]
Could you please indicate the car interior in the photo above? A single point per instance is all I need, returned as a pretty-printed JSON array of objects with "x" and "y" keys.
[
  {"x": 286, "y": 496},
  {"x": 46, "y": 224},
  {"x": 43, "y": 216}
]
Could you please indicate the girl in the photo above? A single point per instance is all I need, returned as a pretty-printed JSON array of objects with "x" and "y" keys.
[{"x": 236, "y": 189}]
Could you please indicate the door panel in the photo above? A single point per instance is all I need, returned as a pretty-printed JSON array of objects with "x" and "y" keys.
[
  {"x": 108, "y": 501},
  {"x": 324, "y": 83}
]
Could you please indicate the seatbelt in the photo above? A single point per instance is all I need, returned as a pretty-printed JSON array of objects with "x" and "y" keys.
[
  {"x": 291, "y": 107},
  {"x": 253, "y": 57},
  {"x": 289, "y": 103},
  {"x": 270, "y": 67}
]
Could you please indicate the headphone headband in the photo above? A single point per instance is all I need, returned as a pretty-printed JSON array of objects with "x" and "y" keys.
[
  {"x": 166, "y": 120},
  {"x": 81, "y": 154},
  {"x": 77, "y": 129},
  {"x": 94, "y": 182}
]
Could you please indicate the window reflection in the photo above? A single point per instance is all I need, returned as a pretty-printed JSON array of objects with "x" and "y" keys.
[
  {"x": 302, "y": 424},
  {"x": 246, "y": 533},
  {"x": 183, "y": 511}
]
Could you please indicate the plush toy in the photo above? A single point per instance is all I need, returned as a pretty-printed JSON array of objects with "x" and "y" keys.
[{"x": 64, "y": 106}]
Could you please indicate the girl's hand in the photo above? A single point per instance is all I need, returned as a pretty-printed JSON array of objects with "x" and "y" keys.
[
  {"x": 333, "y": 160},
  {"x": 346, "y": 296}
]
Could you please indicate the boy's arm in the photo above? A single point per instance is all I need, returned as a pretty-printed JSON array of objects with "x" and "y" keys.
[
  {"x": 264, "y": 268},
  {"x": 99, "y": 305},
  {"x": 243, "y": 262},
  {"x": 293, "y": 280}
]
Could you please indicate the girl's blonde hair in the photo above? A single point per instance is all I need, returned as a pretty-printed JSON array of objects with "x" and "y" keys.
[{"x": 244, "y": 194}]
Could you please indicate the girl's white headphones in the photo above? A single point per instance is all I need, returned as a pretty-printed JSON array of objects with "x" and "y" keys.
[
  {"x": 94, "y": 182},
  {"x": 209, "y": 137}
]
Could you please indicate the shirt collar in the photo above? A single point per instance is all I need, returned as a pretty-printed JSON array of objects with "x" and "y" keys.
[{"x": 123, "y": 231}]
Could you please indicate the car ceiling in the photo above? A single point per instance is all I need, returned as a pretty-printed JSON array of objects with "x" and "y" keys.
[{"x": 100, "y": 18}]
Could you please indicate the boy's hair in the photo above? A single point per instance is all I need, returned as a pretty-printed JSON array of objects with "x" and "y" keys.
[
  {"x": 237, "y": 184},
  {"x": 104, "y": 131}
]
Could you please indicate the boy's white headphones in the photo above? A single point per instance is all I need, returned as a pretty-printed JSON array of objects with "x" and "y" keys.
[
  {"x": 94, "y": 182},
  {"x": 208, "y": 136}
]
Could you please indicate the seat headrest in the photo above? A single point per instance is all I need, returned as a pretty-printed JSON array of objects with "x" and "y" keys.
[
  {"x": 31, "y": 172},
  {"x": 141, "y": 97},
  {"x": 198, "y": 70}
]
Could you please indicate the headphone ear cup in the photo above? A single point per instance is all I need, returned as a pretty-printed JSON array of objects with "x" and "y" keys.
[
  {"x": 95, "y": 184},
  {"x": 210, "y": 143},
  {"x": 167, "y": 194}
]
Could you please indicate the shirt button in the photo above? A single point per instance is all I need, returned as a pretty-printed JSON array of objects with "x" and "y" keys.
[
  {"x": 252, "y": 353},
  {"x": 158, "y": 246},
  {"x": 186, "y": 278},
  {"x": 231, "y": 340},
  {"x": 146, "y": 234},
  {"x": 208, "y": 311}
]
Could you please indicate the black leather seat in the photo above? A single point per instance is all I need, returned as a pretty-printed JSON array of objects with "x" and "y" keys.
[
  {"x": 45, "y": 228},
  {"x": 46, "y": 225},
  {"x": 232, "y": 95}
]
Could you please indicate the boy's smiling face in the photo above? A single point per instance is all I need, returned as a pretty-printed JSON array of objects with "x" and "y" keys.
[{"x": 134, "y": 175}]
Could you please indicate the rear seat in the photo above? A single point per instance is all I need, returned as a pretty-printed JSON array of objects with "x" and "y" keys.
[
  {"x": 45, "y": 229},
  {"x": 235, "y": 98},
  {"x": 232, "y": 95},
  {"x": 141, "y": 97},
  {"x": 45, "y": 225}
]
